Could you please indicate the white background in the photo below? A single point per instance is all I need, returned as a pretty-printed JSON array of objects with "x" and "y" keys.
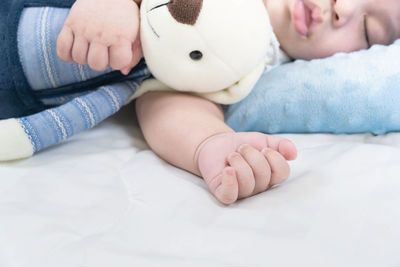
[{"x": 104, "y": 199}]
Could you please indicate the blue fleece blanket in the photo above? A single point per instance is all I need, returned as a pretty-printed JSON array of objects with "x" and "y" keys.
[{"x": 346, "y": 93}]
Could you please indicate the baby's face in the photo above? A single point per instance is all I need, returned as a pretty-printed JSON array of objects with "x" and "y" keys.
[{"x": 310, "y": 29}]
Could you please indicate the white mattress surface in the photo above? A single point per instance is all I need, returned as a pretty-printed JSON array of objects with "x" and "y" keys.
[{"x": 104, "y": 199}]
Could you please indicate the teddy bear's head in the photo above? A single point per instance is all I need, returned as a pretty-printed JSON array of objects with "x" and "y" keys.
[{"x": 204, "y": 45}]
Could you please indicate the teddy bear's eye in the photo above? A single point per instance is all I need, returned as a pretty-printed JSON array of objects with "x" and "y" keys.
[{"x": 196, "y": 55}]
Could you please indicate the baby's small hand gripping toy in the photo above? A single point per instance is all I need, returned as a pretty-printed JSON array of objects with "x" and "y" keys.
[{"x": 217, "y": 49}]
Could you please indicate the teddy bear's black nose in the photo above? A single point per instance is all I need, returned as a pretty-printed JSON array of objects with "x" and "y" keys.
[{"x": 185, "y": 11}]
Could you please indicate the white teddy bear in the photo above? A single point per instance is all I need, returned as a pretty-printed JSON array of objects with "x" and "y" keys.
[{"x": 215, "y": 48}]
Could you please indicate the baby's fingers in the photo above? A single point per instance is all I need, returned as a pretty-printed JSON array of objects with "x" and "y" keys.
[
  {"x": 98, "y": 56},
  {"x": 283, "y": 146},
  {"x": 137, "y": 55},
  {"x": 80, "y": 50},
  {"x": 259, "y": 165},
  {"x": 244, "y": 174},
  {"x": 227, "y": 190},
  {"x": 65, "y": 42},
  {"x": 280, "y": 169},
  {"x": 121, "y": 55}
]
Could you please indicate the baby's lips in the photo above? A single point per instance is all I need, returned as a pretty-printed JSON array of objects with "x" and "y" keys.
[
  {"x": 305, "y": 15},
  {"x": 300, "y": 18}
]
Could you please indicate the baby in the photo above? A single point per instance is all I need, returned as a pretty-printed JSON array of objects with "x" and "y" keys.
[{"x": 189, "y": 131}]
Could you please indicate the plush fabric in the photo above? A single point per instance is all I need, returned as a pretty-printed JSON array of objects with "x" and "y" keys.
[
  {"x": 346, "y": 93},
  {"x": 218, "y": 54}
]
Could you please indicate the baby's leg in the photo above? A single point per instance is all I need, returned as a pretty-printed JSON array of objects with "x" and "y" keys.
[{"x": 189, "y": 132}]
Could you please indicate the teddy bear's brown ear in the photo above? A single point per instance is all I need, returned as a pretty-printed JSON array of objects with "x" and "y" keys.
[{"x": 185, "y": 11}]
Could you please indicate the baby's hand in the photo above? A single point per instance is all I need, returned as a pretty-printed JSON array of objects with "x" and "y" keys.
[
  {"x": 101, "y": 33},
  {"x": 240, "y": 165}
]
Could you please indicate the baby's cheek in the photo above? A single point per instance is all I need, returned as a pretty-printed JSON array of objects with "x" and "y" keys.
[{"x": 343, "y": 43}]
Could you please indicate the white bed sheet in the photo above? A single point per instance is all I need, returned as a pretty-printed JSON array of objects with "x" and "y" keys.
[{"x": 104, "y": 199}]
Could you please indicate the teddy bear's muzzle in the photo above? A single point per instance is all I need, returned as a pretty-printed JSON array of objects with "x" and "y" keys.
[{"x": 185, "y": 11}]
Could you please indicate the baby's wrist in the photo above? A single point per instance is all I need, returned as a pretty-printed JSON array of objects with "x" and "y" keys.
[{"x": 200, "y": 147}]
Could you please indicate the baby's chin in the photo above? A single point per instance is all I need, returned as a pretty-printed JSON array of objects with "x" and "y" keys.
[
  {"x": 293, "y": 55},
  {"x": 297, "y": 50},
  {"x": 288, "y": 52}
]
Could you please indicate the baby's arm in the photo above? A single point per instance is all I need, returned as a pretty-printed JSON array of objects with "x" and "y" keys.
[
  {"x": 189, "y": 132},
  {"x": 102, "y": 33}
]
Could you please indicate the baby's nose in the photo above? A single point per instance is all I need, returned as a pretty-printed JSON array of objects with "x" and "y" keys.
[
  {"x": 185, "y": 11},
  {"x": 346, "y": 11}
]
